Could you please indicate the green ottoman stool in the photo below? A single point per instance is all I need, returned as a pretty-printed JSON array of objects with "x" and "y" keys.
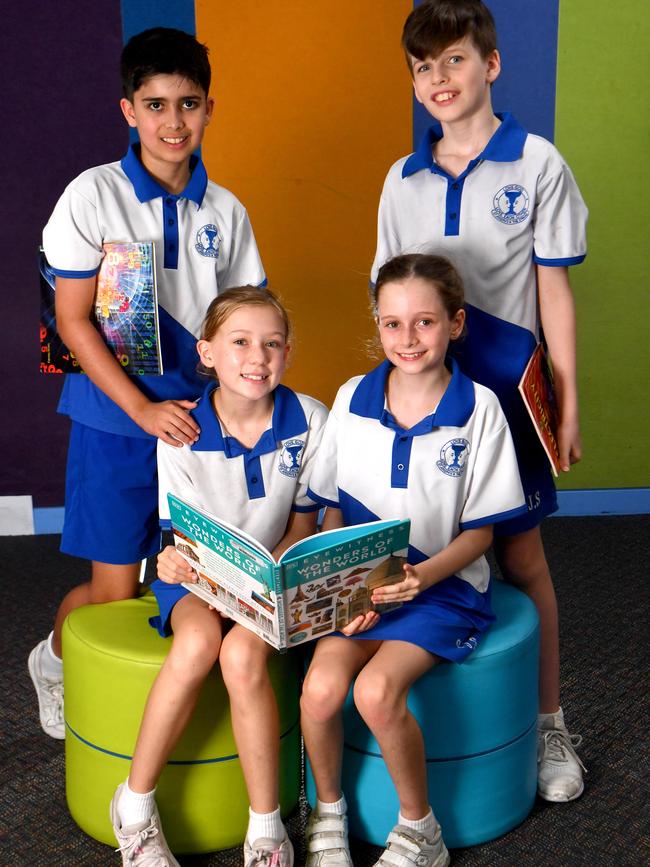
[{"x": 112, "y": 656}]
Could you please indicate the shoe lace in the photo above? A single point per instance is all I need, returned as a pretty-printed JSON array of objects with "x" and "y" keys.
[
  {"x": 55, "y": 702},
  {"x": 267, "y": 858},
  {"x": 134, "y": 848},
  {"x": 558, "y": 743}
]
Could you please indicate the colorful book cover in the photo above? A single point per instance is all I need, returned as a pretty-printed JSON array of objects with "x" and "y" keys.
[
  {"x": 318, "y": 585},
  {"x": 537, "y": 391},
  {"x": 125, "y": 311}
]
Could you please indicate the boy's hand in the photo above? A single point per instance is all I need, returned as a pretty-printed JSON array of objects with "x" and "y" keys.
[
  {"x": 403, "y": 591},
  {"x": 569, "y": 444},
  {"x": 170, "y": 421},
  {"x": 172, "y": 568},
  {"x": 361, "y": 623}
]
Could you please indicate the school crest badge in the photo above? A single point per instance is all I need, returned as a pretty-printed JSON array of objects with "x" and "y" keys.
[
  {"x": 510, "y": 205},
  {"x": 291, "y": 457},
  {"x": 208, "y": 241},
  {"x": 453, "y": 457}
]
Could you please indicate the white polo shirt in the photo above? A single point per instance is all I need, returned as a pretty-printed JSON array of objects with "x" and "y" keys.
[
  {"x": 254, "y": 489},
  {"x": 204, "y": 244},
  {"x": 516, "y": 205},
  {"x": 454, "y": 470}
]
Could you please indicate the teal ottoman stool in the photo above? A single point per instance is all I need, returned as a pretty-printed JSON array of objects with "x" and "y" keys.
[
  {"x": 479, "y": 725},
  {"x": 112, "y": 656}
]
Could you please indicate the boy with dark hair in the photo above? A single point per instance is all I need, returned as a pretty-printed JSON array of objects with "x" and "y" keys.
[
  {"x": 503, "y": 206},
  {"x": 204, "y": 244}
]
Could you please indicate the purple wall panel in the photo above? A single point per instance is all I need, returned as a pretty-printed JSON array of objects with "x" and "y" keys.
[{"x": 61, "y": 68}]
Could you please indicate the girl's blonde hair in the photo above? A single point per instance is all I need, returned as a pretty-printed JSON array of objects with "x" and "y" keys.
[{"x": 242, "y": 296}]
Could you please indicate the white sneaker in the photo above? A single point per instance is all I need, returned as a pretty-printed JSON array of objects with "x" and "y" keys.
[
  {"x": 142, "y": 844},
  {"x": 49, "y": 692},
  {"x": 406, "y": 848},
  {"x": 327, "y": 841},
  {"x": 268, "y": 853},
  {"x": 559, "y": 769}
]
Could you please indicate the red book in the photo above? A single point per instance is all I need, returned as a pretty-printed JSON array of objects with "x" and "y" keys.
[{"x": 538, "y": 393}]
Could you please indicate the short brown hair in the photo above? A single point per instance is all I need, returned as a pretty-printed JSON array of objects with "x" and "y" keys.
[{"x": 436, "y": 24}]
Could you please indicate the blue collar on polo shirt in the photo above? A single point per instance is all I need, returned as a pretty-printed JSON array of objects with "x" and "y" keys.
[
  {"x": 454, "y": 409},
  {"x": 288, "y": 421},
  {"x": 147, "y": 188},
  {"x": 505, "y": 146}
]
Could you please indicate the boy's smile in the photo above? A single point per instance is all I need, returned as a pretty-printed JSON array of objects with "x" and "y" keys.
[
  {"x": 170, "y": 113},
  {"x": 456, "y": 84}
]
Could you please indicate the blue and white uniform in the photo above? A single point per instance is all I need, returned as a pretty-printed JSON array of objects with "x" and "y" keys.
[
  {"x": 515, "y": 206},
  {"x": 452, "y": 471},
  {"x": 254, "y": 489},
  {"x": 203, "y": 244}
]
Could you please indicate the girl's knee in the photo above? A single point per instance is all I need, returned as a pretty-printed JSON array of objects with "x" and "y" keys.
[
  {"x": 323, "y": 695},
  {"x": 244, "y": 662},
  {"x": 378, "y": 702},
  {"x": 194, "y": 650}
]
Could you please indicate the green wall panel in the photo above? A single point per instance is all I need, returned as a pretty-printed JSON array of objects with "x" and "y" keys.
[{"x": 603, "y": 131}]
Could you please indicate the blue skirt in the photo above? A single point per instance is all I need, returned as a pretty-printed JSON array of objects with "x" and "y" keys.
[
  {"x": 167, "y": 595},
  {"x": 447, "y": 619}
]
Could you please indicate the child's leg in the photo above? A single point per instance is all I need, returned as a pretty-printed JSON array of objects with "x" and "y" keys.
[
  {"x": 109, "y": 582},
  {"x": 195, "y": 648},
  {"x": 256, "y": 726},
  {"x": 380, "y": 694},
  {"x": 336, "y": 662},
  {"x": 173, "y": 696},
  {"x": 522, "y": 560},
  {"x": 254, "y": 712}
]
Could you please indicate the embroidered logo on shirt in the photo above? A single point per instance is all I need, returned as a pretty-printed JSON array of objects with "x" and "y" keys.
[
  {"x": 290, "y": 457},
  {"x": 453, "y": 457},
  {"x": 510, "y": 205},
  {"x": 208, "y": 241}
]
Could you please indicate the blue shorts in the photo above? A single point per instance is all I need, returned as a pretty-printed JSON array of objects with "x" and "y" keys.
[
  {"x": 535, "y": 472},
  {"x": 167, "y": 595},
  {"x": 447, "y": 619},
  {"x": 111, "y": 497}
]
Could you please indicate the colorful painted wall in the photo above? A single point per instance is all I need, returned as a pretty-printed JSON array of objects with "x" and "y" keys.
[{"x": 313, "y": 103}]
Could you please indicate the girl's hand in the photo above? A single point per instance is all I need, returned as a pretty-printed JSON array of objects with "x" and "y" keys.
[
  {"x": 403, "y": 591},
  {"x": 361, "y": 623},
  {"x": 569, "y": 444},
  {"x": 172, "y": 568}
]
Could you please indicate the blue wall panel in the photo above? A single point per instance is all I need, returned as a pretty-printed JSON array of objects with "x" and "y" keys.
[{"x": 527, "y": 39}]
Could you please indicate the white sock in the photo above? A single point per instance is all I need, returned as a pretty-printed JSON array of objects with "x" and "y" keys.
[
  {"x": 135, "y": 807},
  {"x": 338, "y": 808},
  {"x": 267, "y": 825},
  {"x": 551, "y": 720},
  {"x": 425, "y": 826},
  {"x": 51, "y": 664}
]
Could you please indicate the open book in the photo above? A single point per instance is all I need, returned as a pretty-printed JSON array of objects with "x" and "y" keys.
[
  {"x": 536, "y": 389},
  {"x": 125, "y": 311},
  {"x": 319, "y": 584}
]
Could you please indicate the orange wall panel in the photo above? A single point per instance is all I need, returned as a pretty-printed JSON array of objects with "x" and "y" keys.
[{"x": 313, "y": 104}]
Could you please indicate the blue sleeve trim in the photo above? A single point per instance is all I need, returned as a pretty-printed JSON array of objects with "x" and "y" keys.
[
  {"x": 263, "y": 284},
  {"x": 165, "y": 523},
  {"x": 493, "y": 519},
  {"x": 314, "y": 508},
  {"x": 75, "y": 275},
  {"x": 559, "y": 263},
  {"x": 321, "y": 500}
]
